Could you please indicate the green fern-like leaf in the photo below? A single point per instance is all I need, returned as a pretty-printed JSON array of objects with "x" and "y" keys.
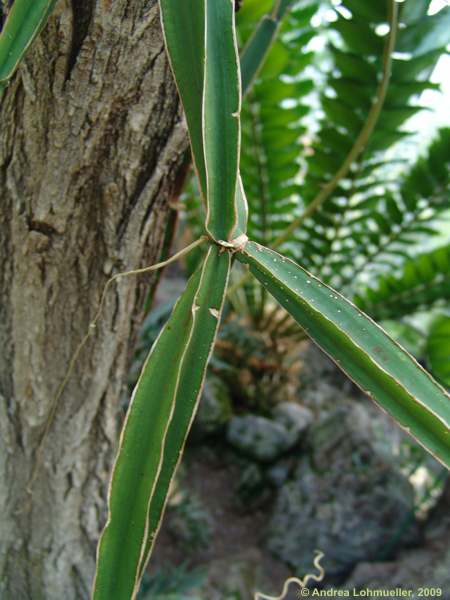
[
  {"x": 272, "y": 126},
  {"x": 365, "y": 210},
  {"x": 422, "y": 282},
  {"x": 403, "y": 216}
]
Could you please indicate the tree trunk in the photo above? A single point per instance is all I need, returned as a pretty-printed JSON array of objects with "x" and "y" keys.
[{"x": 91, "y": 145}]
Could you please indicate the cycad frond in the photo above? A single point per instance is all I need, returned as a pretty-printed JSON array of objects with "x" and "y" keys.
[{"x": 422, "y": 281}]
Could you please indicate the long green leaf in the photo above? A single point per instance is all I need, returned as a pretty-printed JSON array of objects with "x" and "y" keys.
[
  {"x": 387, "y": 373},
  {"x": 156, "y": 427},
  {"x": 221, "y": 119},
  {"x": 209, "y": 299},
  {"x": 256, "y": 49},
  {"x": 25, "y": 20},
  {"x": 183, "y": 25}
]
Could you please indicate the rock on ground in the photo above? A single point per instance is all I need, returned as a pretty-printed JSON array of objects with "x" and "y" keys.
[
  {"x": 344, "y": 499},
  {"x": 264, "y": 439}
]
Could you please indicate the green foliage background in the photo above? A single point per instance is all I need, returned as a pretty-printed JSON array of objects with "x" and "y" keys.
[{"x": 382, "y": 237}]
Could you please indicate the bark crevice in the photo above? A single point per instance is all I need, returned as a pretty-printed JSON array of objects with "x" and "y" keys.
[
  {"x": 91, "y": 146},
  {"x": 82, "y": 11}
]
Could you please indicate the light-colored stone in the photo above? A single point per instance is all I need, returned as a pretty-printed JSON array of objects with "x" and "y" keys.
[
  {"x": 258, "y": 438},
  {"x": 295, "y": 419}
]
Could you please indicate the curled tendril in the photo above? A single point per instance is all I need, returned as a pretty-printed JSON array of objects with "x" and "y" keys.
[{"x": 301, "y": 582}]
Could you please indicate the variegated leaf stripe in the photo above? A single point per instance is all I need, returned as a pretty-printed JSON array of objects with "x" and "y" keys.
[
  {"x": 221, "y": 119},
  {"x": 125, "y": 527},
  {"x": 184, "y": 28},
  {"x": 381, "y": 368},
  {"x": 242, "y": 209},
  {"x": 25, "y": 20},
  {"x": 159, "y": 417},
  {"x": 183, "y": 25},
  {"x": 207, "y": 310}
]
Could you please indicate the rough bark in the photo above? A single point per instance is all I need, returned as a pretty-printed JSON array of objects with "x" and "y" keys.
[{"x": 91, "y": 143}]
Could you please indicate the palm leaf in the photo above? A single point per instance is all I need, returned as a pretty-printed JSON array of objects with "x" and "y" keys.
[{"x": 386, "y": 224}]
